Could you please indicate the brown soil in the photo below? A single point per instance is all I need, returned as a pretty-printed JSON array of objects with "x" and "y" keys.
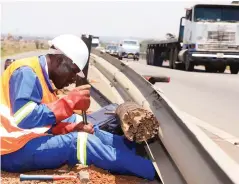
[{"x": 97, "y": 176}]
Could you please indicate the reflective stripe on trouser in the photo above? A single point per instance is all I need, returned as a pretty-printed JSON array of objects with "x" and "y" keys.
[{"x": 81, "y": 147}]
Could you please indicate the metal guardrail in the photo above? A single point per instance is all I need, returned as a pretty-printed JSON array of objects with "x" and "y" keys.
[{"x": 198, "y": 159}]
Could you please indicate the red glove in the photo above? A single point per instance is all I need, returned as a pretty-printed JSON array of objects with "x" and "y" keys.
[
  {"x": 75, "y": 100},
  {"x": 65, "y": 128}
]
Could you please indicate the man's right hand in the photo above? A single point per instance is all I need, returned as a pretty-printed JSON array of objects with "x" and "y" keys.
[
  {"x": 84, "y": 92},
  {"x": 81, "y": 99},
  {"x": 77, "y": 99},
  {"x": 83, "y": 87}
]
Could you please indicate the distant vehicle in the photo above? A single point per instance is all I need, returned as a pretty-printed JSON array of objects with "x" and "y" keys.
[
  {"x": 102, "y": 49},
  {"x": 129, "y": 49},
  {"x": 95, "y": 42},
  {"x": 208, "y": 35},
  {"x": 112, "y": 50}
]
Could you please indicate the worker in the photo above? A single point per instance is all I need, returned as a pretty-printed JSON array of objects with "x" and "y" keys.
[{"x": 39, "y": 131}]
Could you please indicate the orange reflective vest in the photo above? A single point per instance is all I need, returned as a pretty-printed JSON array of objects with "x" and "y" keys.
[{"x": 12, "y": 137}]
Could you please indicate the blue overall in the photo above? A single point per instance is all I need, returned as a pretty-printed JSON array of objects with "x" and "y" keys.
[{"x": 103, "y": 149}]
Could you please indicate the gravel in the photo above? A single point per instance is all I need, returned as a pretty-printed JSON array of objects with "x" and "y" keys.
[{"x": 97, "y": 176}]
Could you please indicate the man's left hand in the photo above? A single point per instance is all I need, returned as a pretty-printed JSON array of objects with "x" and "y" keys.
[{"x": 81, "y": 127}]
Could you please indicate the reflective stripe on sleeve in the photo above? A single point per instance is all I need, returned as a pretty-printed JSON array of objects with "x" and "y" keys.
[
  {"x": 24, "y": 112},
  {"x": 81, "y": 147}
]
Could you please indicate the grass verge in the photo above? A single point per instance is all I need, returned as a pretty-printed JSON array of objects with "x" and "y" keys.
[{"x": 12, "y": 47}]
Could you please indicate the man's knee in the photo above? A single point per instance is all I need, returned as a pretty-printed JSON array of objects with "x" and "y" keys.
[{"x": 97, "y": 151}]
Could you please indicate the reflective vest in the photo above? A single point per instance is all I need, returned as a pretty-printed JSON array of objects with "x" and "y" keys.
[{"x": 12, "y": 137}]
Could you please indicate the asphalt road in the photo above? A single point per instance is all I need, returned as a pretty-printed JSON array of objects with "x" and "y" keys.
[{"x": 210, "y": 97}]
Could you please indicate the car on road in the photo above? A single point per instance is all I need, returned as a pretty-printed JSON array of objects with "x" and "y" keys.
[
  {"x": 102, "y": 49},
  {"x": 112, "y": 50},
  {"x": 129, "y": 48}
]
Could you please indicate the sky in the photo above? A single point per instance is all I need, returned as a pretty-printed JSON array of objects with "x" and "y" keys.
[{"x": 145, "y": 19}]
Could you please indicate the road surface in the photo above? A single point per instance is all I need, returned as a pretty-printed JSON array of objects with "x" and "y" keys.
[{"x": 211, "y": 97}]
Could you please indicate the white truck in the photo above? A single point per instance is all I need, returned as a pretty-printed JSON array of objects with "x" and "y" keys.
[
  {"x": 129, "y": 48},
  {"x": 95, "y": 42},
  {"x": 208, "y": 35}
]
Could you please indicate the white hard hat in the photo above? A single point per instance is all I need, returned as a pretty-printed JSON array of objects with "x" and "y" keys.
[{"x": 71, "y": 46}]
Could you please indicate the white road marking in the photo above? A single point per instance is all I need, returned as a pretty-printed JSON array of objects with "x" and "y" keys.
[{"x": 214, "y": 130}]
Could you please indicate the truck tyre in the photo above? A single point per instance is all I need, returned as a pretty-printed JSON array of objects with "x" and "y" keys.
[
  {"x": 175, "y": 58},
  {"x": 181, "y": 66},
  {"x": 189, "y": 66},
  {"x": 147, "y": 56},
  {"x": 136, "y": 59},
  {"x": 120, "y": 57},
  {"x": 210, "y": 69},
  {"x": 159, "y": 61},
  {"x": 171, "y": 57},
  {"x": 152, "y": 57},
  {"x": 207, "y": 68},
  {"x": 221, "y": 69},
  {"x": 234, "y": 69}
]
